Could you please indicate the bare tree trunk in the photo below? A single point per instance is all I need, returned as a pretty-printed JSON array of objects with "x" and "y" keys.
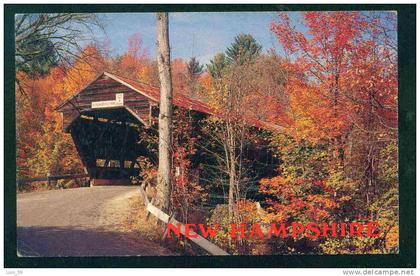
[
  {"x": 232, "y": 169},
  {"x": 164, "y": 177}
]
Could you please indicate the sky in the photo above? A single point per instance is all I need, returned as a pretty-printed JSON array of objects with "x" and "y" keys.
[{"x": 191, "y": 34}]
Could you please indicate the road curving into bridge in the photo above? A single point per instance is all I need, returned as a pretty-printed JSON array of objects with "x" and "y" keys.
[{"x": 79, "y": 222}]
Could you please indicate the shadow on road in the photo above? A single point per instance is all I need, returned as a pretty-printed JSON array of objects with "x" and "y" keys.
[{"x": 74, "y": 241}]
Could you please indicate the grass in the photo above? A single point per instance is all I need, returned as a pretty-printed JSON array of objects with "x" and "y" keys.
[
  {"x": 148, "y": 227},
  {"x": 137, "y": 221}
]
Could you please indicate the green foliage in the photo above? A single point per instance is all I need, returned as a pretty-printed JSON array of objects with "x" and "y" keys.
[
  {"x": 388, "y": 171},
  {"x": 217, "y": 65},
  {"x": 43, "y": 39},
  {"x": 194, "y": 67},
  {"x": 39, "y": 55},
  {"x": 301, "y": 158},
  {"x": 245, "y": 49},
  {"x": 351, "y": 245}
]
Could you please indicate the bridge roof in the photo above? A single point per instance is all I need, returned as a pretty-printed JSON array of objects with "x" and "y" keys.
[
  {"x": 153, "y": 93},
  {"x": 179, "y": 99}
]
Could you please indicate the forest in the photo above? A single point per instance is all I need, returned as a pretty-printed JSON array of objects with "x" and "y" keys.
[{"x": 326, "y": 150}]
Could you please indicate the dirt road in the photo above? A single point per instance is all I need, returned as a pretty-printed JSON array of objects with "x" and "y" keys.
[{"x": 79, "y": 222}]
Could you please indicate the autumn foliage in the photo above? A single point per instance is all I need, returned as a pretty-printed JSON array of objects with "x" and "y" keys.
[
  {"x": 306, "y": 133},
  {"x": 342, "y": 90}
]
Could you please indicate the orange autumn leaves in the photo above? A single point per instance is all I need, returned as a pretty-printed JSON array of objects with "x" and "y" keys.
[
  {"x": 295, "y": 200},
  {"x": 336, "y": 66},
  {"x": 47, "y": 149},
  {"x": 342, "y": 105},
  {"x": 313, "y": 117},
  {"x": 42, "y": 147}
]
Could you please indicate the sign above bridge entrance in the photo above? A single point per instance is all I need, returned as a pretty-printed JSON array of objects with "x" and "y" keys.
[{"x": 119, "y": 101}]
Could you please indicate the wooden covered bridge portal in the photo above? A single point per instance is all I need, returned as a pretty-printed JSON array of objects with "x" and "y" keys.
[{"x": 105, "y": 119}]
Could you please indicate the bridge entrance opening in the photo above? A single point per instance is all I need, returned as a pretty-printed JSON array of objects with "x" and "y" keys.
[
  {"x": 107, "y": 120},
  {"x": 108, "y": 142}
]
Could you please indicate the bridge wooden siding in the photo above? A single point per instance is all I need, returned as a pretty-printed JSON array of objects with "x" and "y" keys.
[{"x": 105, "y": 88}]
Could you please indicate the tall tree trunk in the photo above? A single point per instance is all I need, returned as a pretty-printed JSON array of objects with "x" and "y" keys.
[
  {"x": 164, "y": 177},
  {"x": 232, "y": 170}
]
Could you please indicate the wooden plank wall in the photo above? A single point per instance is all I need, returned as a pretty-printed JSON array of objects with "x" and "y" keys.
[{"x": 105, "y": 89}]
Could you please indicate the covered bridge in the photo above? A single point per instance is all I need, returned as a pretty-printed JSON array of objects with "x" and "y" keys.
[{"x": 104, "y": 120}]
